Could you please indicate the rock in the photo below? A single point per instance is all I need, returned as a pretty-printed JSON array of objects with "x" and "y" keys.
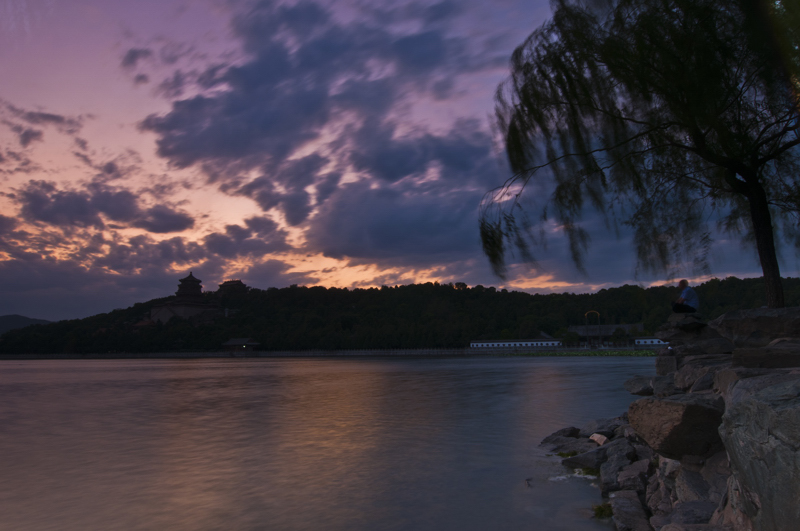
[
  {"x": 679, "y": 425},
  {"x": 784, "y": 341},
  {"x": 628, "y": 514},
  {"x": 761, "y": 431},
  {"x": 665, "y": 365},
  {"x": 665, "y": 386},
  {"x": 687, "y": 330},
  {"x": 704, "y": 383},
  {"x": 718, "y": 345},
  {"x": 750, "y": 386},
  {"x": 730, "y": 512},
  {"x": 644, "y": 452},
  {"x": 566, "y": 432},
  {"x": 771, "y": 357},
  {"x": 757, "y": 327},
  {"x": 634, "y": 476},
  {"x": 658, "y": 496},
  {"x": 695, "y": 527},
  {"x": 688, "y": 374},
  {"x": 715, "y": 471},
  {"x": 599, "y": 438},
  {"x": 570, "y": 445},
  {"x": 695, "y": 367},
  {"x": 727, "y": 377},
  {"x": 639, "y": 385},
  {"x": 619, "y": 454},
  {"x": 625, "y": 431},
  {"x": 690, "y": 486},
  {"x": 603, "y": 426},
  {"x": 687, "y": 322},
  {"x": 591, "y": 459},
  {"x": 692, "y": 512}
]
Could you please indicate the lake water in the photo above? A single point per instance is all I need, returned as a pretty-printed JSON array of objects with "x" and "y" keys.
[{"x": 299, "y": 444}]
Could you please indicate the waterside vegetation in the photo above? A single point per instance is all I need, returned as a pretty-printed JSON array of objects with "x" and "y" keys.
[{"x": 415, "y": 316}]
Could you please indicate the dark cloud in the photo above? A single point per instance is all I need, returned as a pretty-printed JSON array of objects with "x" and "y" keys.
[
  {"x": 25, "y": 135},
  {"x": 134, "y": 55},
  {"x": 141, "y": 79},
  {"x": 285, "y": 188},
  {"x": 304, "y": 69},
  {"x": 173, "y": 87},
  {"x": 118, "y": 274},
  {"x": 393, "y": 226},
  {"x": 162, "y": 219},
  {"x": 42, "y": 201},
  {"x": 463, "y": 154},
  {"x": 171, "y": 52},
  {"x": 7, "y": 224},
  {"x": 20, "y": 162},
  {"x": 259, "y": 237},
  {"x": 273, "y": 273},
  {"x": 65, "y": 124}
]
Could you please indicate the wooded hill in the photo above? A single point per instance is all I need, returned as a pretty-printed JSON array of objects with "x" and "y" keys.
[{"x": 428, "y": 315}]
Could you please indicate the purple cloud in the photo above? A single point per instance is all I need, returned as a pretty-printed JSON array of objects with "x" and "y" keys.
[
  {"x": 134, "y": 55},
  {"x": 42, "y": 201},
  {"x": 162, "y": 219}
]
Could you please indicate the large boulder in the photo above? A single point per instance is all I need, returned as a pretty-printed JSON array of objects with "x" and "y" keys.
[
  {"x": 725, "y": 379},
  {"x": 591, "y": 459},
  {"x": 666, "y": 365},
  {"x": 685, "y": 328},
  {"x": 569, "y": 445},
  {"x": 774, "y": 356},
  {"x": 634, "y": 476},
  {"x": 679, "y": 425},
  {"x": 695, "y": 527},
  {"x": 695, "y": 367},
  {"x": 603, "y": 426},
  {"x": 718, "y": 345},
  {"x": 558, "y": 436},
  {"x": 761, "y": 431},
  {"x": 628, "y": 513},
  {"x": 665, "y": 386},
  {"x": 619, "y": 454},
  {"x": 639, "y": 385},
  {"x": 757, "y": 327}
]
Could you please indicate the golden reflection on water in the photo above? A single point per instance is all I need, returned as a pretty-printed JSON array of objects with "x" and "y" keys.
[{"x": 294, "y": 444}]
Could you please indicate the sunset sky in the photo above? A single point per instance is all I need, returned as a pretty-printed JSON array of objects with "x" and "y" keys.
[{"x": 340, "y": 143}]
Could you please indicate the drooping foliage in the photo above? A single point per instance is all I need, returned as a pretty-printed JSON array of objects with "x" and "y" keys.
[{"x": 669, "y": 116}]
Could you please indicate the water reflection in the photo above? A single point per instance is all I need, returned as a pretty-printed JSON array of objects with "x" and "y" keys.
[{"x": 297, "y": 444}]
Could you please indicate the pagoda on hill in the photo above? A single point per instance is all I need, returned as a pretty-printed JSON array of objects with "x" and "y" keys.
[
  {"x": 187, "y": 303},
  {"x": 190, "y": 288}
]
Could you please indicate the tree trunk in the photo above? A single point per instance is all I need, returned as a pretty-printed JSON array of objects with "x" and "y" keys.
[{"x": 765, "y": 243}]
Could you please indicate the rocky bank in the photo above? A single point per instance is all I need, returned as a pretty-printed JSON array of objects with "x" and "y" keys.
[{"x": 715, "y": 443}]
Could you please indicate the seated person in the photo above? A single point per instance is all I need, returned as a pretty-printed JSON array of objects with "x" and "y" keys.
[{"x": 688, "y": 302}]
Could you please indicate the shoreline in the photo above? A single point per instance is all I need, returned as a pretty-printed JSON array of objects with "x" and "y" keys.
[
  {"x": 361, "y": 353},
  {"x": 712, "y": 446}
]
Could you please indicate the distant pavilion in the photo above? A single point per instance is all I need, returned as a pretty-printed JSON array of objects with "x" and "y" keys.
[{"x": 188, "y": 302}]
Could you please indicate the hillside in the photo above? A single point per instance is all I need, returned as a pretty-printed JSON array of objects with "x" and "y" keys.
[
  {"x": 10, "y": 322},
  {"x": 413, "y": 316}
]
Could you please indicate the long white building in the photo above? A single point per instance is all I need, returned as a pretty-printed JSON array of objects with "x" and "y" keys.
[{"x": 516, "y": 343}]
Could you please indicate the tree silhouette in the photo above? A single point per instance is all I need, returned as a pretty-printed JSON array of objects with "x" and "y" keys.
[{"x": 665, "y": 115}]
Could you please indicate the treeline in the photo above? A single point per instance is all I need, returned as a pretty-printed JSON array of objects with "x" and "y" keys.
[{"x": 428, "y": 315}]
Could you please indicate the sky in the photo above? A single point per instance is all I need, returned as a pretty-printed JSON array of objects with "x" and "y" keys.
[{"x": 341, "y": 143}]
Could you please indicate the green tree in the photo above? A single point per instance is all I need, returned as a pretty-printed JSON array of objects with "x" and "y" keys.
[{"x": 665, "y": 115}]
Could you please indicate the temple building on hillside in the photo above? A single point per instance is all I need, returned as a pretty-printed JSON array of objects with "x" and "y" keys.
[
  {"x": 188, "y": 302},
  {"x": 232, "y": 287}
]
